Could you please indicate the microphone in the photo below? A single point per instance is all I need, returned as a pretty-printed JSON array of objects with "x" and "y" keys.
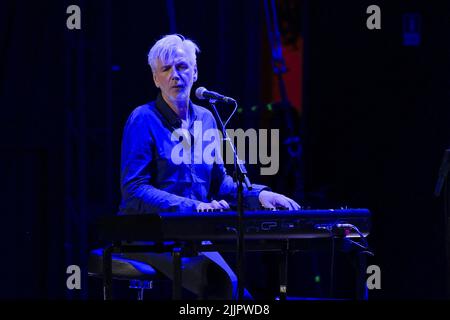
[{"x": 201, "y": 93}]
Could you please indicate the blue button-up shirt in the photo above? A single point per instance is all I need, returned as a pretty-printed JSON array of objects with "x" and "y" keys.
[{"x": 152, "y": 182}]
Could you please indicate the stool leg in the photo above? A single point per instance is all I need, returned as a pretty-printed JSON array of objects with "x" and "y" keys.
[
  {"x": 141, "y": 285},
  {"x": 141, "y": 294},
  {"x": 176, "y": 284}
]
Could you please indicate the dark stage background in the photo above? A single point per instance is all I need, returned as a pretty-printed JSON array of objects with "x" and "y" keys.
[{"x": 373, "y": 120}]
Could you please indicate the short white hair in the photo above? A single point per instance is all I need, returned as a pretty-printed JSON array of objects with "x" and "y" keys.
[{"x": 165, "y": 48}]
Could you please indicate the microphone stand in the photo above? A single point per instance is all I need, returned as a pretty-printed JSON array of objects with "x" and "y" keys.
[{"x": 240, "y": 173}]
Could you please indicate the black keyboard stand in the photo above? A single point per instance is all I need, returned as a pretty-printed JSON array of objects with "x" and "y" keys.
[{"x": 284, "y": 247}]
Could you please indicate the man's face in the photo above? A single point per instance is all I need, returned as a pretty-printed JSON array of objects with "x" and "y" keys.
[{"x": 175, "y": 78}]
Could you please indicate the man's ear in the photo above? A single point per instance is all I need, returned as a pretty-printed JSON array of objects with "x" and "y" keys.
[
  {"x": 195, "y": 73},
  {"x": 155, "y": 81}
]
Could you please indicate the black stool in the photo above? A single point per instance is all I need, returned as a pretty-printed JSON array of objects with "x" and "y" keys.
[{"x": 139, "y": 274}]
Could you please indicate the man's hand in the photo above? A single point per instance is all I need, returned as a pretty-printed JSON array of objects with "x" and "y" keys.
[
  {"x": 272, "y": 200},
  {"x": 222, "y": 204}
]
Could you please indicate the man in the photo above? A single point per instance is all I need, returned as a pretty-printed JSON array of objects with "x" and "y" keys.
[{"x": 152, "y": 182}]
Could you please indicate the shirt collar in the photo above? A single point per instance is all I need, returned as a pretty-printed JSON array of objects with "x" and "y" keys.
[{"x": 169, "y": 115}]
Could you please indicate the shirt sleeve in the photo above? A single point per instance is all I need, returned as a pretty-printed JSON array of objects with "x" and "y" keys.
[
  {"x": 223, "y": 187},
  {"x": 137, "y": 192}
]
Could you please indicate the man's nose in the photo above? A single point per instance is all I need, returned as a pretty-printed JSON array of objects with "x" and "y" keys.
[{"x": 174, "y": 74}]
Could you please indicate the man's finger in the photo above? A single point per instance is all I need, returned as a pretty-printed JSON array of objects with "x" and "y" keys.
[
  {"x": 296, "y": 205},
  {"x": 204, "y": 206},
  {"x": 281, "y": 201},
  {"x": 215, "y": 204},
  {"x": 287, "y": 204},
  {"x": 224, "y": 204},
  {"x": 268, "y": 205}
]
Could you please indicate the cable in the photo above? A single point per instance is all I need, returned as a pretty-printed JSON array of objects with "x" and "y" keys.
[
  {"x": 365, "y": 245},
  {"x": 229, "y": 118},
  {"x": 331, "y": 228}
]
